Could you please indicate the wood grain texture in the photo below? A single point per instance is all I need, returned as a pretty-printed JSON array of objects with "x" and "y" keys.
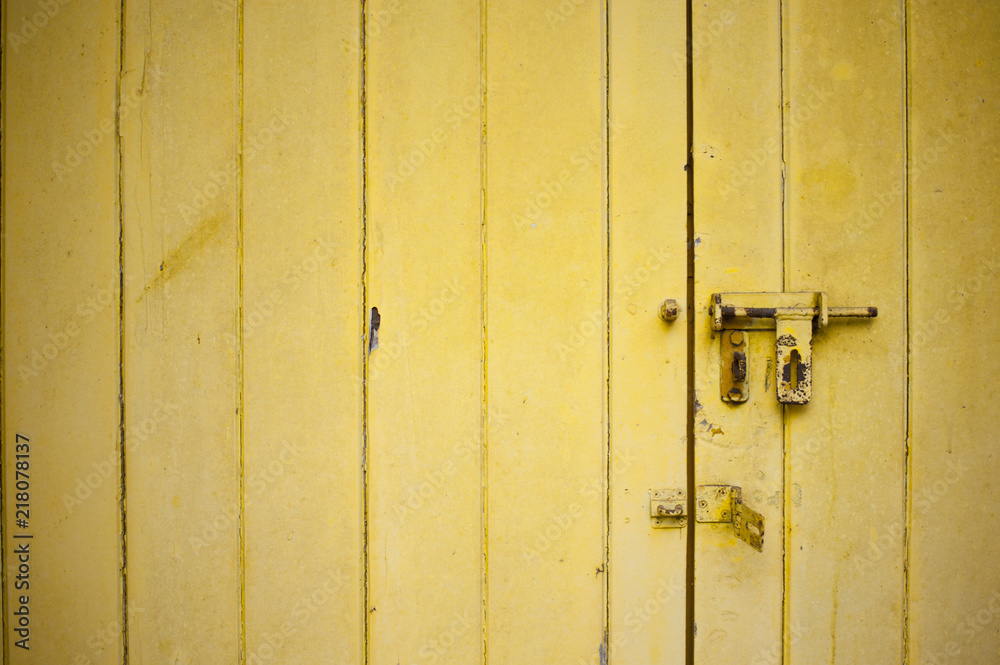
[
  {"x": 61, "y": 334},
  {"x": 425, "y": 379},
  {"x": 845, "y": 450},
  {"x": 954, "y": 603},
  {"x": 647, "y": 144},
  {"x": 301, "y": 329},
  {"x": 182, "y": 331},
  {"x": 736, "y": 59},
  {"x": 547, "y": 331}
]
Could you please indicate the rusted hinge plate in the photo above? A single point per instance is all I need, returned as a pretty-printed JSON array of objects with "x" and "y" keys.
[
  {"x": 716, "y": 504},
  {"x": 748, "y": 525}
]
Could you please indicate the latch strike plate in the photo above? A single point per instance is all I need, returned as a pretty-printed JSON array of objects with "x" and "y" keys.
[
  {"x": 668, "y": 508},
  {"x": 716, "y": 504},
  {"x": 792, "y": 315}
]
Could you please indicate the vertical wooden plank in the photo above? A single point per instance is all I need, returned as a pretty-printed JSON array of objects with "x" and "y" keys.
[
  {"x": 648, "y": 381},
  {"x": 182, "y": 375},
  {"x": 302, "y": 332},
  {"x": 547, "y": 329},
  {"x": 954, "y": 608},
  {"x": 736, "y": 60},
  {"x": 61, "y": 413},
  {"x": 425, "y": 398},
  {"x": 845, "y": 449}
]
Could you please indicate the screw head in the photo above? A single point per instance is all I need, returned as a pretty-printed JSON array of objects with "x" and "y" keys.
[
  {"x": 669, "y": 310},
  {"x": 736, "y": 337}
]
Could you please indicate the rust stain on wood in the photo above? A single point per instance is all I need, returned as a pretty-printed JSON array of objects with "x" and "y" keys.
[{"x": 181, "y": 256}]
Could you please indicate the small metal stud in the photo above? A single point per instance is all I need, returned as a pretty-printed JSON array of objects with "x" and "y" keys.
[{"x": 669, "y": 310}]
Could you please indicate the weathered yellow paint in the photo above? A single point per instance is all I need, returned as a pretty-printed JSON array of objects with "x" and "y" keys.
[
  {"x": 425, "y": 380},
  {"x": 845, "y": 450},
  {"x": 546, "y": 216},
  {"x": 60, "y": 335},
  {"x": 737, "y": 121},
  {"x": 301, "y": 323},
  {"x": 505, "y": 182},
  {"x": 648, "y": 370},
  {"x": 181, "y": 332},
  {"x": 954, "y": 603}
]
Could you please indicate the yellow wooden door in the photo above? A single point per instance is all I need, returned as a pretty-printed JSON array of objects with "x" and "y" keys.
[
  {"x": 812, "y": 136},
  {"x": 828, "y": 142},
  {"x": 331, "y": 332},
  {"x": 507, "y": 504}
]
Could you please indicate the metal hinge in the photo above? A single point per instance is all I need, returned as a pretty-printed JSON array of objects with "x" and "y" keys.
[
  {"x": 792, "y": 316},
  {"x": 716, "y": 504}
]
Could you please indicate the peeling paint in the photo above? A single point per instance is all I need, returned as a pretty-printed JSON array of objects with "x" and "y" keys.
[{"x": 373, "y": 330}]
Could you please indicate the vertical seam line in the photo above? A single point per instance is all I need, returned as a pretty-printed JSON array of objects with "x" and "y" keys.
[
  {"x": 689, "y": 309},
  {"x": 3, "y": 329},
  {"x": 785, "y": 251},
  {"x": 607, "y": 309},
  {"x": 122, "y": 509},
  {"x": 907, "y": 465},
  {"x": 484, "y": 313},
  {"x": 239, "y": 323},
  {"x": 782, "y": 91},
  {"x": 365, "y": 332}
]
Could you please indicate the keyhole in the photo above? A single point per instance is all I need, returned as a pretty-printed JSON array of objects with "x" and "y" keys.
[{"x": 794, "y": 365}]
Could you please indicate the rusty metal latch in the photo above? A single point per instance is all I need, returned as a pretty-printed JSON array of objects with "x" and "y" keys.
[
  {"x": 792, "y": 316},
  {"x": 716, "y": 504},
  {"x": 668, "y": 508}
]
